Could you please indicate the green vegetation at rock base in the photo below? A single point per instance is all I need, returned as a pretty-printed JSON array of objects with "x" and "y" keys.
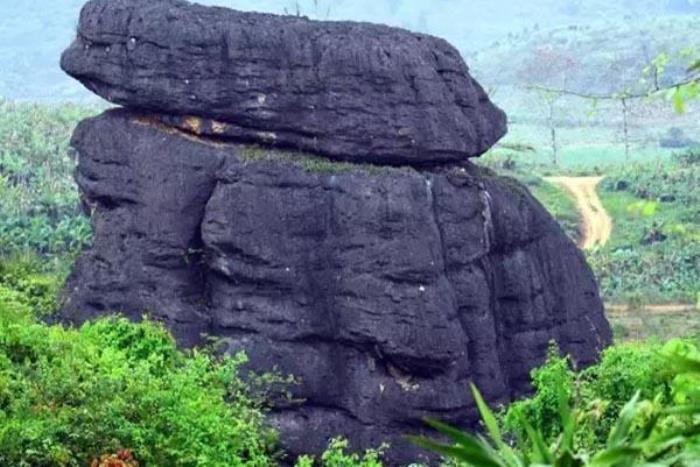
[{"x": 586, "y": 419}]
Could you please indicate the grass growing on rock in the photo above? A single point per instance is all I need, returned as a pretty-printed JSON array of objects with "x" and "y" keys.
[{"x": 314, "y": 164}]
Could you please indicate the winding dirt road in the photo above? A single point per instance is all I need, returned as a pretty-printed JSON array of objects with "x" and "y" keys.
[
  {"x": 651, "y": 309},
  {"x": 596, "y": 227},
  {"x": 596, "y": 224}
]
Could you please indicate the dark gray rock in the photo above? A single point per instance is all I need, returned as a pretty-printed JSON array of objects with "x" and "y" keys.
[
  {"x": 350, "y": 91},
  {"x": 384, "y": 290}
]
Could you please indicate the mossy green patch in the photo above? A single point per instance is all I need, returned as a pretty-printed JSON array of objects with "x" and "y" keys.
[{"x": 315, "y": 164}]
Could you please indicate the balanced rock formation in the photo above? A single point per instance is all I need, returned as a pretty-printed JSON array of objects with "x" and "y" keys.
[{"x": 384, "y": 290}]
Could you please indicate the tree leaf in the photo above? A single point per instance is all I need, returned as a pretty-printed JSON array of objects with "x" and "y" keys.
[{"x": 678, "y": 101}]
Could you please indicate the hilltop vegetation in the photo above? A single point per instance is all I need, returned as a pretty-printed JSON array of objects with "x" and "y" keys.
[{"x": 592, "y": 59}]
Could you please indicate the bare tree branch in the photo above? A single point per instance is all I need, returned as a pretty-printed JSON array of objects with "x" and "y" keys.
[{"x": 617, "y": 96}]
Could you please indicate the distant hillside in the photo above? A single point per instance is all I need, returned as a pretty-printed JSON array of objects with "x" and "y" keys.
[
  {"x": 34, "y": 33},
  {"x": 599, "y": 59}
]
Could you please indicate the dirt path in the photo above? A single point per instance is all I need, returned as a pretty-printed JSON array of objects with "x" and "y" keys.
[
  {"x": 661, "y": 322},
  {"x": 653, "y": 309},
  {"x": 596, "y": 224}
]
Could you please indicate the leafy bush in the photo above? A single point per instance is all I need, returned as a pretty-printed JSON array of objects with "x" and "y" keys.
[
  {"x": 25, "y": 281},
  {"x": 600, "y": 392},
  {"x": 69, "y": 396},
  {"x": 337, "y": 456},
  {"x": 661, "y": 431},
  {"x": 549, "y": 381}
]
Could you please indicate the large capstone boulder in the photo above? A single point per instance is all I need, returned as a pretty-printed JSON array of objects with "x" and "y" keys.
[
  {"x": 351, "y": 91},
  {"x": 383, "y": 290}
]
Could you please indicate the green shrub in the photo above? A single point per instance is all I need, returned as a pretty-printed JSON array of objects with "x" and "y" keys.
[
  {"x": 542, "y": 410},
  {"x": 600, "y": 392},
  {"x": 660, "y": 431},
  {"x": 604, "y": 389},
  {"x": 68, "y": 396},
  {"x": 337, "y": 456},
  {"x": 25, "y": 280}
]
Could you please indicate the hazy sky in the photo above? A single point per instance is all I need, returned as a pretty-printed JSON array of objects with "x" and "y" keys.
[{"x": 34, "y": 32}]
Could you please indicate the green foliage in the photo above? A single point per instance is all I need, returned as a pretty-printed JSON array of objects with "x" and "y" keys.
[
  {"x": 600, "y": 392},
  {"x": 26, "y": 282},
  {"x": 337, "y": 456},
  {"x": 113, "y": 388},
  {"x": 40, "y": 209},
  {"x": 654, "y": 252},
  {"x": 550, "y": 382},
  {"x": 657, "y": 430},
  {"x": 68, "y": 396}
]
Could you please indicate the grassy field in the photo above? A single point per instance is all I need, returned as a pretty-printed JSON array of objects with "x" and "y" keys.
[
  {"x": 582, "y": 150},
  {"x": 646, "y": 323}
]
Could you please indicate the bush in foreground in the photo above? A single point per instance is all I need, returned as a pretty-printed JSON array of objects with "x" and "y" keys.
[
  {"x": 663, "y": 430},
  {"x": 116, "y": 393},
  {"x": 69, "y": 396},
  {"x": 600, "y": 392}
]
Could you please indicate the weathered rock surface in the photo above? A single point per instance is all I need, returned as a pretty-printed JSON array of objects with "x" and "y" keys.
[
  {"x": 384, "y": 290},
  {"x": 349, "y": 91}
]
